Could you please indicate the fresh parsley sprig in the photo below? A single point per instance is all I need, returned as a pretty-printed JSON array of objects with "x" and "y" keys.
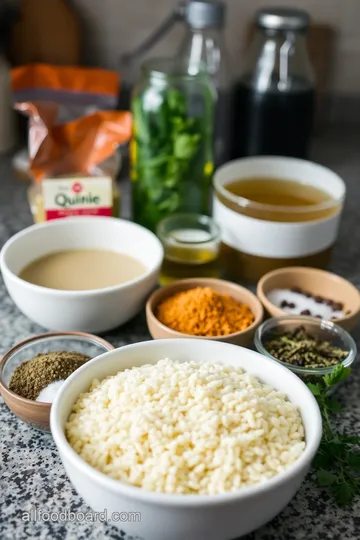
[{"x": 337, "y": 462}]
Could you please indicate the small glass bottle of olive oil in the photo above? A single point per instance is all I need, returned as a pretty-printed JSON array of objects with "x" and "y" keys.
[{"x": 191, "y": 245}]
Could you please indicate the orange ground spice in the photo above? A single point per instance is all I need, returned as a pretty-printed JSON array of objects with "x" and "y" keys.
[{"x": 204, "y": 312}]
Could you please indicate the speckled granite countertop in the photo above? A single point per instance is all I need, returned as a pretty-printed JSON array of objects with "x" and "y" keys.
[{"x": 31, "y": 474}]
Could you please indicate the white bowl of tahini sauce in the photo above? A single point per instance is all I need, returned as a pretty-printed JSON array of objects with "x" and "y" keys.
[{"x": 89, "y": 274}]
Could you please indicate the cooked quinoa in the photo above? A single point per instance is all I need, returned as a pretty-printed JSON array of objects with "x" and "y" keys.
[{"x": 186, "y": 428}]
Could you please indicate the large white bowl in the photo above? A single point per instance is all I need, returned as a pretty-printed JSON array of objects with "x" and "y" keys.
[
  {"x": 88, "y": 311},
  {"x": 190, "y": 517}
]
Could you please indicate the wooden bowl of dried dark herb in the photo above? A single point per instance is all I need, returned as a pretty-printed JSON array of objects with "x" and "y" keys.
[{"x": 32, "y": 367}]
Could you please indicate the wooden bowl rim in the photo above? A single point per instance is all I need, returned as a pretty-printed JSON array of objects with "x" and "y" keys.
[
  {"x": 297, "y": 270},
  {"x": 192, "y": 283}
]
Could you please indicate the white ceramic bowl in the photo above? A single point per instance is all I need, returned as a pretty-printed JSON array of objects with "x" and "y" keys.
[
  {"x": 259, "y": 238},
  {"x": 163, "y": 516},
  {"x": 88, "y": 311}
]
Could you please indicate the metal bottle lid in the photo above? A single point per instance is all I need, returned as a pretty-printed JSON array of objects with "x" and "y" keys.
[
  {"x": 201, "y": 14},
  {"x": 282, "y": 19}
]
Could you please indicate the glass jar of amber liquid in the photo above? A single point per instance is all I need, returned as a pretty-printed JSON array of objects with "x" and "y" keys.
[{"x": 191, "y": 247}]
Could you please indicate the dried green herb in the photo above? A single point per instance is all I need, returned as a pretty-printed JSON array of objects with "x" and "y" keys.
[
  {"x": 302, "y": 349},
  {"x": 36, "y": 374},
  {"x": 337, "y": 462}
]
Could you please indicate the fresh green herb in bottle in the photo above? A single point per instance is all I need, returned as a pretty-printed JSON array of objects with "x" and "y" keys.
[{"x": 172, "y": 147}]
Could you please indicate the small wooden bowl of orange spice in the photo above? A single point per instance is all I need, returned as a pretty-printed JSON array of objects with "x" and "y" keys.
[{"x": 204, "y": 308}]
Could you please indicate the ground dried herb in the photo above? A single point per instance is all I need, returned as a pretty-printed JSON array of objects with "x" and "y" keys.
[
  {"x": 32, "y": 376},
  {"x": 302, "y": 349}
]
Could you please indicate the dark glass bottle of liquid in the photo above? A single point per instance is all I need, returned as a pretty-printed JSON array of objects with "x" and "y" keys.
[{"x": 274, "y": 99}]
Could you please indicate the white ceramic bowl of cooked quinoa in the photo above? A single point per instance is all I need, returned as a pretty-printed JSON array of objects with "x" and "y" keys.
[{"x": 186, "y": 438}]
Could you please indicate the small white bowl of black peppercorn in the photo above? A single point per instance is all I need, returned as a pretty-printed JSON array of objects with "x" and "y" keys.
[{"x": 308, "y": 346}]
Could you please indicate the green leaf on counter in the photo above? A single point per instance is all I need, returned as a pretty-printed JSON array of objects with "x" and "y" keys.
[
  {"x": 337, "y": 467},
  {"x": 316, "y": 389},
  {"x": 350, "y": 439},
  {"x": 344, "y": 493},
  {"x": 326, "y": 478},
  {"x": 334, "y": 406},
  {"x": 354, "y": 460},
  {"x": 322, "y": 460},
  {"x": 338, "y": 374}
]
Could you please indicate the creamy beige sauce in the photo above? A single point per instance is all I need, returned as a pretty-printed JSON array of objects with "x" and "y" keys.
[{"x": 82, "y": 270}]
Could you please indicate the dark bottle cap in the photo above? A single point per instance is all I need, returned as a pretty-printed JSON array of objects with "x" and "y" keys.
[
  {"x": 202, "y": 14},
  {"x": 282, "y": 19}
]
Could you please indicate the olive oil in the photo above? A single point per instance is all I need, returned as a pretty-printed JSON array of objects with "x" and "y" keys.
[
  {"x": 189, "y": 253},
  {"x": 191, "y": 247}
]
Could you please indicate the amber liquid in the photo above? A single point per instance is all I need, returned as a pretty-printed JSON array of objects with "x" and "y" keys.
[
  {"x": 242, "y": 267},
  {"x": 302, "y": 202},
  {"x": 278, "y": 193}
]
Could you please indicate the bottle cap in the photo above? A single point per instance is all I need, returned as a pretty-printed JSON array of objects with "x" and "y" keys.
[
  {"x": 282, "y": 19},
  {"x": 201, "y": 14}
]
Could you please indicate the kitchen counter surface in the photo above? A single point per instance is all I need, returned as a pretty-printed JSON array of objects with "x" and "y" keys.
[{"x": 32, "y": 477}]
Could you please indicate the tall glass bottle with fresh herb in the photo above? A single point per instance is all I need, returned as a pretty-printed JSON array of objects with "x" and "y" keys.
[{"x": 172, "y": 147}]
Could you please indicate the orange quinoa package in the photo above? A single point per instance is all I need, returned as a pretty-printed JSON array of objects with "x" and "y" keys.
[{"x": 74, "y": 133}]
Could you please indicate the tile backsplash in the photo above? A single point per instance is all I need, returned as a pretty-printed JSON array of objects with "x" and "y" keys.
[{"x": 112, "y": 27}]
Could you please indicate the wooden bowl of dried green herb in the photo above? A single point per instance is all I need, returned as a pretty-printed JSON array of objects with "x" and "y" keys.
[{"x": 32, "y": 372}]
